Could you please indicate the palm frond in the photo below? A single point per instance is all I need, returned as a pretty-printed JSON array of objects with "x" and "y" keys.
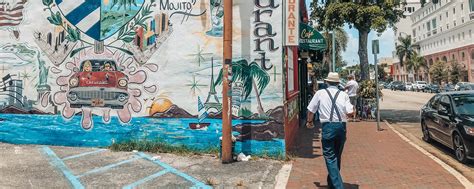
[{"x": 261, "y": 76}]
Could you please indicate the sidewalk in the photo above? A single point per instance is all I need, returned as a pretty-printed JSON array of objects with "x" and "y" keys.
[{"x": 370, "y": 159}]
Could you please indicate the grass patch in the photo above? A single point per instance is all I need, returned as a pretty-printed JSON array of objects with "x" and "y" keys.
[{"x": 159, "y": 146}]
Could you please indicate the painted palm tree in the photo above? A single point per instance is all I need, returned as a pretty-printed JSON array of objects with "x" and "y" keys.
[
  {"x": 404, "y": 50},
  {"x": 252, "y": 76},
  {"x": 415, "y": 63}
]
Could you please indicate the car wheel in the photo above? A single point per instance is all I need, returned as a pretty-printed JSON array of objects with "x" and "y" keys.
[
  {"x": 459, "y": 148},
  {"x": 426, "y": 132}
]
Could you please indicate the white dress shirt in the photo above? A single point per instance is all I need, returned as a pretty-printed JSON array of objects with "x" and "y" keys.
[{"x": 322, "y": 103}]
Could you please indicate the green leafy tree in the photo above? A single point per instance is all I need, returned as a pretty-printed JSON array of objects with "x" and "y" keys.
[
  {"x": 364, "y": 15},
  {"x": 456, "y": 72},
  {"x": 404, "y": 50},
  {"x": 422, "y": 2},
  {"x": 439, "y": 72},
  {"x": 252, "y": 76},
  {"x": 415, "y": 63},
  {"x": 342, "y": 39}
]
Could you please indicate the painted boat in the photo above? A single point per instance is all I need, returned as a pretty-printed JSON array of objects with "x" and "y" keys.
[{"x": 202, "y": 115}]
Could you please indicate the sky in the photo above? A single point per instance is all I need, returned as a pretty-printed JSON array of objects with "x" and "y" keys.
[{"x": 386, "y": 41}]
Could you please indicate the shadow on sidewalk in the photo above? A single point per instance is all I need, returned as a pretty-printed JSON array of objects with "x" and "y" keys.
[
  {"x": 395, "y": 116},
  {"x": 305, "y": 142},
  {"x": 346, "y": 185}
]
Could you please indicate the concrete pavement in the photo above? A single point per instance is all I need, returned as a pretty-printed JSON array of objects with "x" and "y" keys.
[{"x": 31, "y": 166}]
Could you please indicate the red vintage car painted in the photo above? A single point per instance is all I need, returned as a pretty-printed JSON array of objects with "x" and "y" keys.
[{"x": 98, "y": 83}]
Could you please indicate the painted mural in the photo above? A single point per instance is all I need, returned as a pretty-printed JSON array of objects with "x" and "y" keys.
[{"x": 91, "y": 73}]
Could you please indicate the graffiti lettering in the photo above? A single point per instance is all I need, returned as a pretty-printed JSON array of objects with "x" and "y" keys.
[
  {"x": 264, "y": 32},
  {"x": 184, "y": 8}
]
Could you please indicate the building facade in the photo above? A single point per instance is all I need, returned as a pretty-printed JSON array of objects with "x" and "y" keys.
[
  {"x": 443, "y": 32},
  {"x": 153, "y": 71}
]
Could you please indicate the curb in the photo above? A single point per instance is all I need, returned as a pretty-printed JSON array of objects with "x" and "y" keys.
[
  {"x": 283, "y": 176},
  {"x": 463, "y": 180}
]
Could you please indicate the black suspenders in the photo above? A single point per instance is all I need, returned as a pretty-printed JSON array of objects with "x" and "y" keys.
[{"x": 334, "y": 105}]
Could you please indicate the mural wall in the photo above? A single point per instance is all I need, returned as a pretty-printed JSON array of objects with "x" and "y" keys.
[{"x": 90, "y": 73}]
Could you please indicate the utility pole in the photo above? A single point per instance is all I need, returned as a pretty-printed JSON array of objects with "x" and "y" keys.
[
  {"x": 333, "y": 51},
  {"x": 227, "y": 85},
  {"x": 375, "y": 51}
]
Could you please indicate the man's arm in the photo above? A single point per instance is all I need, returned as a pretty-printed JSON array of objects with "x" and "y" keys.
[
  {"x": 349, "y": 108},
  {"x": 312, "y": 108}
]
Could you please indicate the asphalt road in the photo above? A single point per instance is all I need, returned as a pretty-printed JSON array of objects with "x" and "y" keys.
[{"x": 402, "y": 110}]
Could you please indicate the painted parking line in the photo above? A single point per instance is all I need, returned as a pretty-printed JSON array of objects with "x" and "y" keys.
[
  {"x": 59, "y": 164},
  {"x": 146, "y": 179},
  {"x": 105, "y": 168},
  {"x": 197, "y": 184},
  {"x": 84, "y": 154}
]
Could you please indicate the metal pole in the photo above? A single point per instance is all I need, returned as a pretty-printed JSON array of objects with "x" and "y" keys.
[
  {"x": 333, "y": 51},
  {"x": 226, "y": 85},
  {"x": 377, "y": 91}
]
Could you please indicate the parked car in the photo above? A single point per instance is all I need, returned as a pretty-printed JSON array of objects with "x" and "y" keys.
[
  {"x": 398, "y": 86},
  {"x": 98, "y": 83},
  {"x": 466, "y": 87},
  {"x": 409, "y": 86},
  {"x": 449, "y": 119},
  {"x": 459, "y": 85},
  {"x": 432, "y": 88},
  {"x": 419, "y": 85},
  {"x": 448, "y": 88}
]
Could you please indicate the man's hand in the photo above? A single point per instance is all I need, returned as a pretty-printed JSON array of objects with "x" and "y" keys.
[{"x": 309, "y": 125}]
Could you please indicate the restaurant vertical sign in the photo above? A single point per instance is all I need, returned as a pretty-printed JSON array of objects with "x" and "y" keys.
[{"x": 291, "y": 22}]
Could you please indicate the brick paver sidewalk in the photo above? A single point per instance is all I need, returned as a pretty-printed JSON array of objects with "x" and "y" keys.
[{"x": 370, "y": 159}]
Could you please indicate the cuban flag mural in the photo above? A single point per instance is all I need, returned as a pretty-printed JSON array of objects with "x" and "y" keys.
[{"x": 99, "y": 19}]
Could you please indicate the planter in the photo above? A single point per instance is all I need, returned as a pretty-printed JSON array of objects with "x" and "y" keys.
[{"x": 366, "y": 108}]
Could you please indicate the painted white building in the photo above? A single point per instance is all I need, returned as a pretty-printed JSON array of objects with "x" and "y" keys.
[{"x": 444, "y": 32}]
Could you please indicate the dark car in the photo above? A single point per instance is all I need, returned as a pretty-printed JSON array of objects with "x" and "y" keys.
[
  {"x": 448, "y": 88},
  {"x": 432, "y": 88},
  {"x": 398, "y": 86},
  {"x": 466, "y": 87},
  {"x": 449, "y": 119}
]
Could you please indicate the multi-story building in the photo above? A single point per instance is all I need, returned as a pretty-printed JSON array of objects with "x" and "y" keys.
[
  {"x": 387, "y": 64},
  {"x": 444, "y": 32},
  {"x": 403, "y": 29}
]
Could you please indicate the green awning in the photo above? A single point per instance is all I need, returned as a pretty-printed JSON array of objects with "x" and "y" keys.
[{"x": 310, "y": 39}]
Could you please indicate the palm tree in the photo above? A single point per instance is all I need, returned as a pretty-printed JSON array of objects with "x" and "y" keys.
[
  {"x": 405, "y": 49},
  {"x": 252, "y": 76},
  {"x": 124, "y": 3},
  {"x": 415, "y": 63},
  {"x": 342, "y": 39}
]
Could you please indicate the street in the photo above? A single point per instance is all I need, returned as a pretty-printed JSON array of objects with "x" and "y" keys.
[{"x": 402, "y": 110}]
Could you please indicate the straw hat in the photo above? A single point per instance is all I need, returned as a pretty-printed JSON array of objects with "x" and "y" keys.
[{"x": 333, "y": 77}]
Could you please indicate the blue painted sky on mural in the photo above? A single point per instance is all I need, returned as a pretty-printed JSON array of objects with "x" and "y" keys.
[{"x": 350, "y": 55}]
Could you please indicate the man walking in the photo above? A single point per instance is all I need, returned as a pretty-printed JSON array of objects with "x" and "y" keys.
[
  {"x": 351, "y": 87},
  {"x": 333, "y": 106}
]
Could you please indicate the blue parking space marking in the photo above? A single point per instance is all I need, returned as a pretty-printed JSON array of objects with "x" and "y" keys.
[
  {"x": 59, "y": 164},
  {"x": 105, "y": 168},
  {"x": 84, "y": 154},
  {"x": 197, "y": 184},
  {"x": 74, "y": 180},
  {"x": 146, "y": 179}
]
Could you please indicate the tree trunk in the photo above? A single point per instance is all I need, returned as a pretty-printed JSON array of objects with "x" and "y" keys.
[
  {"x": 259, "y": 103},
  {"x": 363, "y": 58}
]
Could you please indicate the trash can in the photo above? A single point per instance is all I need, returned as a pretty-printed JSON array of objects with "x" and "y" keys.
[{"x": 232, "y": 149}]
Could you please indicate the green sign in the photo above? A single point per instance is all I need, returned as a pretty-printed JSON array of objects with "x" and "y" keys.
[{"x": 310, "y": 39}]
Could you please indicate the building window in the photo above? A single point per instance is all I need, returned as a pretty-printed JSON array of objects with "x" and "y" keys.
[
  {"x": 462, "y": 20},
  {"x": 455, "y": 23},
  {"x": 440, "y": 17},
  {"x": 462, "y": 56},
  {"x": 447, "y": 14},
  {"x": 462, "y": 6},
  {"x": 447, "y": 26},
  {"x": 471, "y": 5},
  {"x": 454, "y": 11},
  {"x": 463, "y": 35}
]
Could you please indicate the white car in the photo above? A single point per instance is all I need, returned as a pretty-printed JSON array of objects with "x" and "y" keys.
[
  {"x": 409, "y": 86},
  {"x": 419, "y": 85}
]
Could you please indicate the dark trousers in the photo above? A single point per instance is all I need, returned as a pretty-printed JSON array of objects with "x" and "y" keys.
[{"x": 333, "y": 139}]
